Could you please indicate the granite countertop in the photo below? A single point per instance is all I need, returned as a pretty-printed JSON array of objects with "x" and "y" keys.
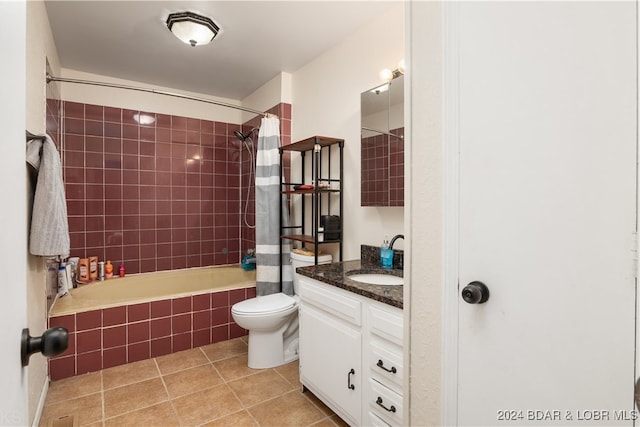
[{"x": 337, "y": 274}]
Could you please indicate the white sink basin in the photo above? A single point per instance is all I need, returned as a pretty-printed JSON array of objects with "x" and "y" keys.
[{"x": 377, "y": 279}]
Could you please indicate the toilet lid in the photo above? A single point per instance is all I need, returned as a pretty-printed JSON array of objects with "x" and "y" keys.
[{"x": 265, "y": 304}]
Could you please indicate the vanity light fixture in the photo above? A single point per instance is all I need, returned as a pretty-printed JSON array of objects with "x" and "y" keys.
[
  {"x": 191, "y": 28},
  {"x": 387, "y": 75}
]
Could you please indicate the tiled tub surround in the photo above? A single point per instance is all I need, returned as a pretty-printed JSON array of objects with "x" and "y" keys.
[
  {"x": 106, "y": 333},
  {"x": 160, "y": 196}
]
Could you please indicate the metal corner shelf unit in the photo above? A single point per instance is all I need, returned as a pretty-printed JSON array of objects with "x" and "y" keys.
[{"x": 325, "y": 189}]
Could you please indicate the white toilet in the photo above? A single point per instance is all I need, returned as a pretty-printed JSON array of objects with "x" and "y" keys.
[{"x": 272, "y": 321}]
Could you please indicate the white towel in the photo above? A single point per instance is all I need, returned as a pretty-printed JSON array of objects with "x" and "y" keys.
[{"x": 49, "y": 234}]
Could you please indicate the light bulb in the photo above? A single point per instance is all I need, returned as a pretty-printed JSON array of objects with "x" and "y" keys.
[
  {"x": 401, "y": 66},
  {"x": 386, "y": 74}
]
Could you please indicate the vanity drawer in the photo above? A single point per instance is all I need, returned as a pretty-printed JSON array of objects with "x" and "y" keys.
[
  {"x": 375, "y": 421},
  {"x": 385, "y": 361},
  {"x": 386, "y": 322},
  {"x": 385, "y": 403},
  {"x": 331, "y": 300}
]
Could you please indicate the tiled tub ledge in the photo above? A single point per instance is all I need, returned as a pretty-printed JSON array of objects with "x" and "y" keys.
[{"x": 122, "y": 332}]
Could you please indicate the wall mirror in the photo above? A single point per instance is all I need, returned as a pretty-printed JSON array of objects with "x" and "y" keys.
[{"x": 382, "y": 145}]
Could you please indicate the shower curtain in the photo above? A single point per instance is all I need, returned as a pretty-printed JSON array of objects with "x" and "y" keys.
[{"x": 268, "y": 202}]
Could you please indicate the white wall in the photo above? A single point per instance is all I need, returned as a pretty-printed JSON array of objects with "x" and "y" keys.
[
  {"x": 143, "y": 101},
  {"x": 40, "y": 48},
  {"x": 326, "y": 101},
  {"x": 424, "y": 210},
  {"x": 272, "y": 93}
]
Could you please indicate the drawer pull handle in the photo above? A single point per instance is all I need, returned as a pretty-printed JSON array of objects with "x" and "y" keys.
[
  {"x": 380, "y": 364},
  {"x": 379, "y": 403},
  {"x": 349, "y": 385}
]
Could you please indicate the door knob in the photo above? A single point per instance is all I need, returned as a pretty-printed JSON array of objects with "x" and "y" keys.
[
  {"x": 53, "y": 341},
  {"x": 475, "y": 293}
]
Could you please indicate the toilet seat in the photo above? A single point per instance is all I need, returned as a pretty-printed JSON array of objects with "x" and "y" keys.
[{"x": 267, "y": 304}]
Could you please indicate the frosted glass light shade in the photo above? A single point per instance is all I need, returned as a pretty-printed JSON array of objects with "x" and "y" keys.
[{"x": 192, "y": 28}]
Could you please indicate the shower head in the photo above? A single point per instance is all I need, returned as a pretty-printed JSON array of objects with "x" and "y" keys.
[{"x": 244, "y": 136}]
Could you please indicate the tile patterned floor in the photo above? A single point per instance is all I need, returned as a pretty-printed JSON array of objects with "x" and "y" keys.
[{"x": 206, "y": 386}]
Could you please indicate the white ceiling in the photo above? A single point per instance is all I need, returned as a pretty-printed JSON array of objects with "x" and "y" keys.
[{"x": 259, "y": 39}]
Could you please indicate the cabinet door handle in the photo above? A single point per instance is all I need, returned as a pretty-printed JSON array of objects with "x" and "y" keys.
[
  {"x": 380, "y": 365},
  {"x": 349, "y": 385},
  {"x": 379, "y": 403}
]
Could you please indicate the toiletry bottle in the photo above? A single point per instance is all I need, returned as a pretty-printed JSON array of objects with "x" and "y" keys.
[
  {"x": 63, "y": 286},
  {"x": 69, "y": 276},
  {"x": 108, "y": 270},
  {"x": 83, "y": 270},
  {"x": 101, "y": 270},
  {"x": 386, "y": 254},
  {"x": 73, "y": 263},
  {"x": 93, "y": 268},
  {"x": 121, "y": 270}
]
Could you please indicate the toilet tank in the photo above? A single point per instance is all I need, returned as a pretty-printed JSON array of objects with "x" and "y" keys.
[{"x": 298, "y": 260}]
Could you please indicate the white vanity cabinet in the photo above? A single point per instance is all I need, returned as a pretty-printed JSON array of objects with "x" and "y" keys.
[
  {"x": 351, "y": 353},
  {"x": 331, "y": 347}
]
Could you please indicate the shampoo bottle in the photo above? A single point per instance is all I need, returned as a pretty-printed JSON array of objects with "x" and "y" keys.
[{"x": 63, "y": 286}]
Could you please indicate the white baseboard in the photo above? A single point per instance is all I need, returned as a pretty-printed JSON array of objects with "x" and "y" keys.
[{"x": 43, "y": 399}]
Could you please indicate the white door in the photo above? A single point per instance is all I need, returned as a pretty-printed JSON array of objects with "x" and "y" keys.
[
  {"x": 547, "y": 212},
  {"x": 13, "y": 248}
]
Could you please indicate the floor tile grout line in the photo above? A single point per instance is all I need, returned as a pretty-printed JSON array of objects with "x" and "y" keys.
[
  {"x": 324, "y": 416},
  {"x": 57, "y": 402},
  {"x": 285, "y": 378},
  {"x": 136, "y": 410},
  {"x": 166, "y": 389},
  {"x": 102, "y": 400},
  {"x": 105, "y": 418}
]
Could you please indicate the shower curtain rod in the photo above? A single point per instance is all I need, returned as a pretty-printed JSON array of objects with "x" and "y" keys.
[{"x": 51, "y": 78}]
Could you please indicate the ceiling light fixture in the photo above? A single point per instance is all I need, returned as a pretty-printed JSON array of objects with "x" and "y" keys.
[{"x": 192, "y": 28}]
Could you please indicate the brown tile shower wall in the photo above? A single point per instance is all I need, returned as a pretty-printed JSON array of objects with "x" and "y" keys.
[
  {"x": 160, "y": 196},
  {"x": 283, "y": 111},
  {"x": 156, "y": 196},
  {"x": 101, "y": 339}
]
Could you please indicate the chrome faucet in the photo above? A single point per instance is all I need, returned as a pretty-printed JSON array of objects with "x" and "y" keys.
[{"x": 396, "y": 237}]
